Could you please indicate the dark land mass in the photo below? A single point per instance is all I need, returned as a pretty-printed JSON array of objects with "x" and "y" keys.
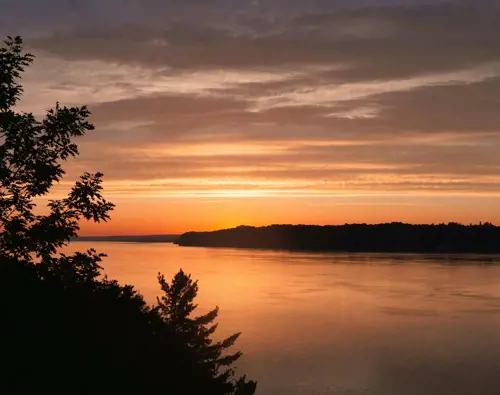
[
  {"x": 389, "y": 237},
  {"x": 131, "y": 239}
]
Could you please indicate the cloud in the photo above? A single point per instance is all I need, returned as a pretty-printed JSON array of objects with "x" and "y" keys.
[
  {"x": 330, "y": 94},
  {"x": 381, "y": 42},
  {"x": 93, "y": 81},
  {"x": 282, "y": 97}
]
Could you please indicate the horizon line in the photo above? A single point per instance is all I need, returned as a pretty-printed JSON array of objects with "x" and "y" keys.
[{"x": 480, "y": 223}]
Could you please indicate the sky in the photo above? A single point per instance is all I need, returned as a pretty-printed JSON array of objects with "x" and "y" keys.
[{"x": 217, "y": 113}]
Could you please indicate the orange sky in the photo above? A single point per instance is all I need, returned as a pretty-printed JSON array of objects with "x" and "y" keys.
[
  {"x": 216, "y": 114},
  {"x": 174, "y": 216}
]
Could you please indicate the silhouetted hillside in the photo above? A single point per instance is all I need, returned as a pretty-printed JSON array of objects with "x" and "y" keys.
[{"x": 390, "y": 237}]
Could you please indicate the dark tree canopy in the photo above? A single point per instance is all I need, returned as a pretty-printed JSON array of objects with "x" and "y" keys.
[
  {"x": 31, "y": 153},
  {"x": 65, "y": 327},
  {"x": 390, "y": 237}
]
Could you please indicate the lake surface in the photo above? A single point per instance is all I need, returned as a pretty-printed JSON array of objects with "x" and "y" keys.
[{"x": 340, "y": 324}]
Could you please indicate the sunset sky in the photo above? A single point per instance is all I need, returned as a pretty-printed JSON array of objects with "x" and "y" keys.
[{"x": 217, "y": 113}]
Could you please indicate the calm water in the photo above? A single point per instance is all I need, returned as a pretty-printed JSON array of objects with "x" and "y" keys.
[{"x": 339, "y": 324}]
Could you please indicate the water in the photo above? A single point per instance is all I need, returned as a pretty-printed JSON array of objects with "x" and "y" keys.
[{"x": 340, "y": 324}]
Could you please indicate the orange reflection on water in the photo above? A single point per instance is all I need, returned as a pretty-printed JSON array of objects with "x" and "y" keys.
[{"x": 339, "y": 323}]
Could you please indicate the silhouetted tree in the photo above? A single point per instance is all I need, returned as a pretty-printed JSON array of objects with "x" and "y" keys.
[
  {"x": 176, "y": 308},
  {"x": 64, "y": 328},
  {"x": 30, "y": 157}
]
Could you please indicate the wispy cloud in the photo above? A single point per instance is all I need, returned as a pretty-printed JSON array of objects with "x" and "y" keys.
[
  {"x": 328, "y": 95},
  {"x": 92, "y": 81}
]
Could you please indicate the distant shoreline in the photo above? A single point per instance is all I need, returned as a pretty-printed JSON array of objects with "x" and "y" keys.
[
  {"x": 452, "y": 238},
  {"x": 130, "y": 239}
]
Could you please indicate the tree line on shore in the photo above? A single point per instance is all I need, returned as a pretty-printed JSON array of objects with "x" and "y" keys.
[{"x": 388, "y": 237}]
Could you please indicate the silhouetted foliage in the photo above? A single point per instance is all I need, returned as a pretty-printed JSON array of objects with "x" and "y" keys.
[
  {"x": 176, "y": 308},
  {"x": 66, "y": 328},
  {"x": 391, "y": 237}
]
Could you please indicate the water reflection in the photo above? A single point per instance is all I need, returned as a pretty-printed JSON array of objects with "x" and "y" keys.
[{"x": 341, "y": 323}]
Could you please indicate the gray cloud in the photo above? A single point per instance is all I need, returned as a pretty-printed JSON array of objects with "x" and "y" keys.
[{"x": 378, "y": 42}]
